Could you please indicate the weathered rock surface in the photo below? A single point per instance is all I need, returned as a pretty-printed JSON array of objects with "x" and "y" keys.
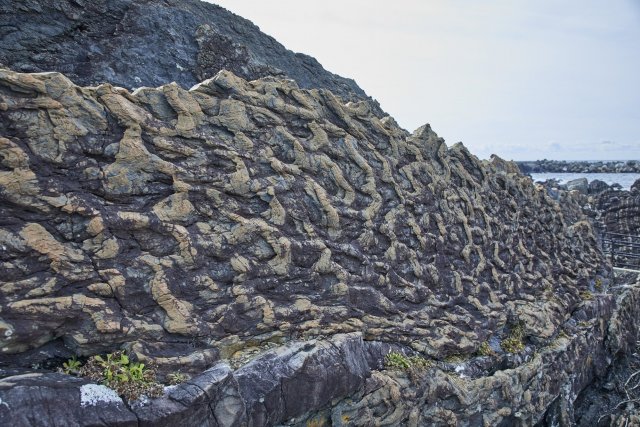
[
  {"x": 281, "y": 384},
  {"x": 539, "y": 389},
  {"x": 134, "y": 43},
  {"x": 610, "y": 208},
  {"x": 200, "y": 222},
  {"x": 620, "y": 210},
  {"x": 580, "y": 184},
  {"x": 190, "y": 226},
  {"x": 341, "y": 382}
]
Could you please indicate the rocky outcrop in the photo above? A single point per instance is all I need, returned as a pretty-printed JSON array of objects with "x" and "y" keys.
[
  {"x": 579, "y": 167},
  {"x": 610, "y": 208},
  {"x": 196, "y": 226},
  {"x": 620, "y": 210},
  {"x": 134, "y": 43},
  {"x": 251, "y": 212},
  {"x": 341, "y": 381}
]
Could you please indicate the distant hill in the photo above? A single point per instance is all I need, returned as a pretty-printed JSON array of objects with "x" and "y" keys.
[{"x": 150, "y": 43}]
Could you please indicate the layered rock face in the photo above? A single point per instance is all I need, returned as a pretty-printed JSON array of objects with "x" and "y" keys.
[
  {"x": 133, "y": 43},
  {"x": 620, "y": 210},
  {"x": 610, "y": 208},
  {"x": 192, "y": 226},
  {"x": 197, "y": 223}
]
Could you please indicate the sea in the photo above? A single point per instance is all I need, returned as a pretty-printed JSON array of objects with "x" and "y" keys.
[{"x": 624, "y": 179}]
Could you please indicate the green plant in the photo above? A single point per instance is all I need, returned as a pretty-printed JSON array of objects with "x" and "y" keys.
[
  {"x": 399, "y": 361},
  {"x": 586, "y": 295},
  {"x": 175, "y": 378},
  {"x": 485, "y": 350},
  {"x": 71, "y": 366},
  {"x": 598, "y": 284},
  {"x": 514, "y": 342},
  {"x": 454, "y": 358},
  {"x": 128, "y": 379},
  {"x": 319, "y": 421}
]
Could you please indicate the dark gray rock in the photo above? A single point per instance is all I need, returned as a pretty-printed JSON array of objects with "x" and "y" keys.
[
  {"x": 52, "y": 399},
  {"x": 133, "y": 43},
  {"x": 581, "y": 185},
  {"x": 278, "y": 385},
  {"x": 209, "y": 399},
  {"x": 620, "y": 211},
  {"x": 596, "y": 187},
  {"x": 302, "y": 377}
]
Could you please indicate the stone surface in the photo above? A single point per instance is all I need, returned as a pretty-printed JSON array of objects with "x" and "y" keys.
[
  {"x": 277, "y": 242},
  {"x": 620, "y": 211},
  {"x": 581, "y": 185},
  {"x": 609, "y": 207},
  {"x": 51, "y": 399},
  {"x": 596, "y": 187},
  {"x": 539, "y": 389},
  {"x": 276, "y": 386},
  {"x": 291, "y": 381},
  {"x": 133, "y": 43},
  {"x": 189, "y": 225},
  {"x": 340, "y": 381},
  {"x": 192, "y": 226}
]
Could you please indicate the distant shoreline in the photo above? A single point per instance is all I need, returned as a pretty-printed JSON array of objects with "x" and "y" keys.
[
  {"x": 620, "y": 181},
  {"x": 563, "y": 166}
]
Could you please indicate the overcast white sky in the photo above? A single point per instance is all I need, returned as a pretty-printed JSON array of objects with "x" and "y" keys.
[{"x": 522, "y": 79}]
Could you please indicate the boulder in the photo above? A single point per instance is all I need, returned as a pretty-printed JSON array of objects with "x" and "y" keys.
[
  {"x": 581, "y": 185},
  {"x": 596, "y": 187}
]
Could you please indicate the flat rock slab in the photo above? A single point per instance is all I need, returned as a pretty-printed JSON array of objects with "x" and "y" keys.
[{"x": 278, "y": 385}]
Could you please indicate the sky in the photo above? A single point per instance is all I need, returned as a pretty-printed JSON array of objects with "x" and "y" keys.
[{"x": 522, "y": 79}]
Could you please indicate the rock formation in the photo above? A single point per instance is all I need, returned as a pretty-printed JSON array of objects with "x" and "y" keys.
[
  {"x": 271, "y": 238},
  {"x": 620, "y": 210},
  {"x": 610, "y": 209},
  {"x": 195, "y": 226},
  {"x": 133, "y": 215}
]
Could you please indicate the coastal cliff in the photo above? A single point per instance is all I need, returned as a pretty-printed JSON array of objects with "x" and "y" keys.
[
  {"x": 275, "y": 242},
  {"x": 191, "y": 227}
]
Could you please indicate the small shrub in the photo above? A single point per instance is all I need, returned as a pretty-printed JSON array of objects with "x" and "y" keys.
[
  {"x": 586, "y": 295},
  {"x": 454, "y": 358},
  {"x": 176, "y": 378},
  {"x": 316, "y": 422},
  {"x": 598, "y": 284},
  {"x": 71, "y": 366},
  {"x": 399, "y": 361},
  {"x": 485, "y": 350},
  {"x": 128, "y": 379},
  {"x": 514, "y": 343}
]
